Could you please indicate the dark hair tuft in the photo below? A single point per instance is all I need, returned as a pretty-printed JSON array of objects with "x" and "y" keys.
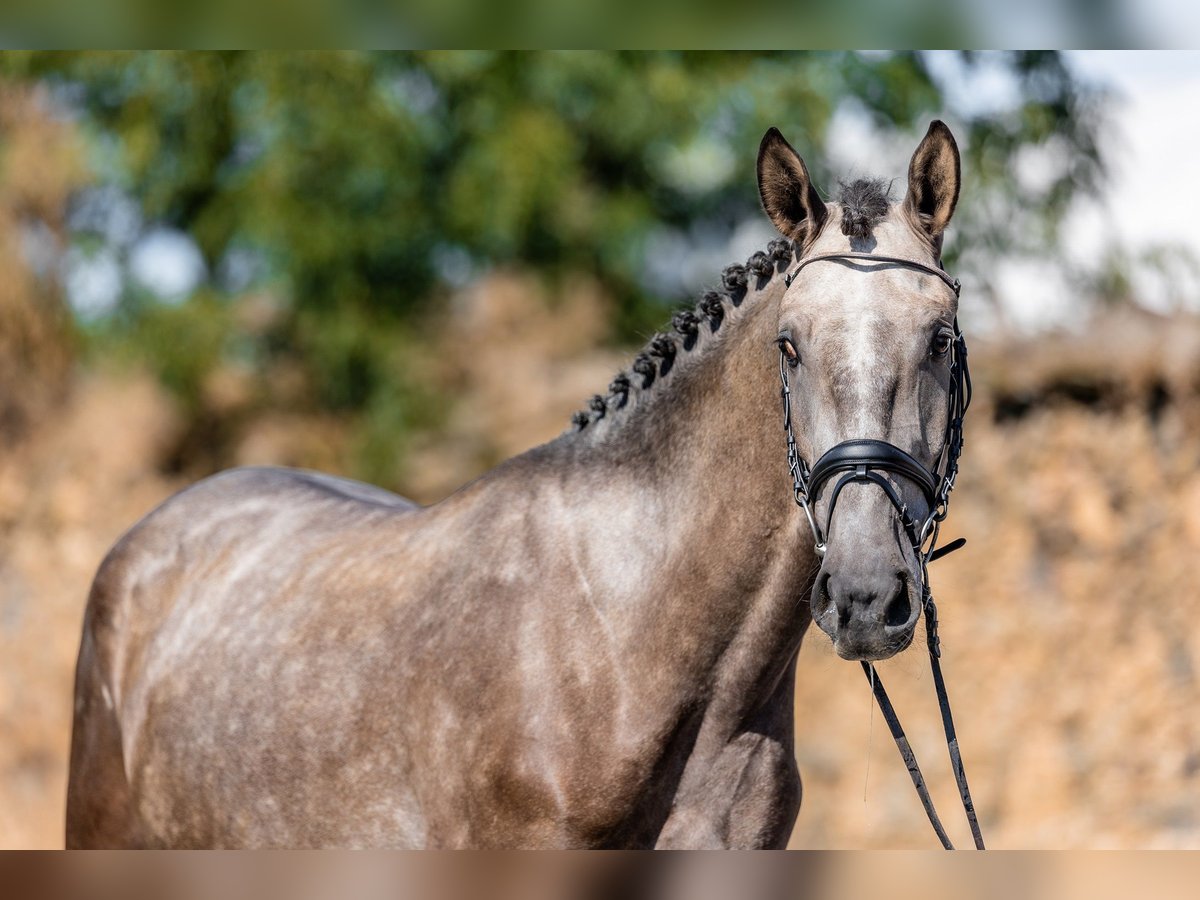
[
  {"x": 644, "y": 366},
  {"x": 864, "y": 202},
  {"x": 618, "y": 390},
  {"x": 713, "y": 306},
  {"x": 780, "y": 250},
  {"x": 580, "y": 420},
  {"x": 686, "y": 322},
  {"x": 734, "y": 280},
  {"x": 662, "y": 346},
  {"x": 760, "y": 265},
  {"x": 733, "y": 277}
]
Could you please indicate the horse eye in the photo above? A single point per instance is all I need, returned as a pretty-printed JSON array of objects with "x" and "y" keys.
[
  {"x": 942, "y": 341},
  {"x": 789, "y": 351}
]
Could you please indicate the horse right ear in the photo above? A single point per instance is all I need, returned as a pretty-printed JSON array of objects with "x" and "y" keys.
[
  {"x": 787, "y": 193},
  {"x": 934, "y": 176}
]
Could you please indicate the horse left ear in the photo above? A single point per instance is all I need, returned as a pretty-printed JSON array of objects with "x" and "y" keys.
[
  {"x": 934, "y": 175},
  {"x": 786, "y": 191}
]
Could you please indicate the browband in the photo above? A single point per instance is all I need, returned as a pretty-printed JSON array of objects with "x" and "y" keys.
[{"x": 954, "y": 283}]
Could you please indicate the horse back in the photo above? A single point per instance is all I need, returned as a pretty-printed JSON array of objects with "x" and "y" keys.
[{"x": 199, "y": 542}]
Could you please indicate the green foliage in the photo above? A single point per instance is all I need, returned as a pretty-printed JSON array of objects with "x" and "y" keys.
[
  {"x": 183, "y": 344},
  {"x": 1057, "y": 117},
  {"x": 363, "y": 187}
]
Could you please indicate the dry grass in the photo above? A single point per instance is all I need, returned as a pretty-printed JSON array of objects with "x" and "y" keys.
[
  {"x": 40, "y": 164},
  {"x": 66, "y": 494}
]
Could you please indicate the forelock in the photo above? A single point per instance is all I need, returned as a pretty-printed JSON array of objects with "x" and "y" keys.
[{"x": 864, "y": 202}]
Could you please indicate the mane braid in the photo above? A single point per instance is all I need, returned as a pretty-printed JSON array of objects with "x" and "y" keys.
[
  {"x": 713, "y": 308},
  {"x": 658, "y": 356}
]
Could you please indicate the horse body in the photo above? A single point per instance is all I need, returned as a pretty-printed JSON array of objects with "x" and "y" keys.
[
  {"x": 593, "y": 645},
  {"x": 287, "y": 659}
]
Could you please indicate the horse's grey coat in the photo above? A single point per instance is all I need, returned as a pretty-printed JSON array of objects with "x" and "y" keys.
[{"x": 592, "y": 645}]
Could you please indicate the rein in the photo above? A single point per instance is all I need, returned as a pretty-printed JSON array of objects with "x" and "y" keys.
[{"x": 864, "y": 460}]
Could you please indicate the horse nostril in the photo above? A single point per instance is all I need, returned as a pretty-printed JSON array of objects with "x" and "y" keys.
[
  {"x": 822, "y": 599},
  {"x": 899, "y": 609}
]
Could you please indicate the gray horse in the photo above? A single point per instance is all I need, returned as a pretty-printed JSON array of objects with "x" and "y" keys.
[{"x": 594, "y": 644}]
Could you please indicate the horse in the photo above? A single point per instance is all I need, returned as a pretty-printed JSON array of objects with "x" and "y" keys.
[{"x": 593, "y": 645}]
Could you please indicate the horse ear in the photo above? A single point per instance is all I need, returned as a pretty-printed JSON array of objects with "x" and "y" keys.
[
  {"x": 787, "y": 193},
  {"x": 933, "y": 181}
]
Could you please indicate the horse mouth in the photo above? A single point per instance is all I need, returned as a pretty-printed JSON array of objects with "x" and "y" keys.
[{"x": 868, "y": 650}]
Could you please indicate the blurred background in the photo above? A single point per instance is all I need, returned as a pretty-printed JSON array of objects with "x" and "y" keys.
[{"x": 407, "y": 266}]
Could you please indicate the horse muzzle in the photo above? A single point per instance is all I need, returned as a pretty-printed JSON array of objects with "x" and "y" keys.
[{"x": 869, "y": 615}]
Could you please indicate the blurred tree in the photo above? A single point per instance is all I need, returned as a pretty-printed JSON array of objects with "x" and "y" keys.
[{"x": 362, "y": 186}]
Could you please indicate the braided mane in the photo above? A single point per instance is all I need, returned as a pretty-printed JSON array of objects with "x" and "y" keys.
[{"x": 658, "y": 356}]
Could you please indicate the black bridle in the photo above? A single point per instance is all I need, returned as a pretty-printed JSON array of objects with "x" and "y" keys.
[{"x": 870, "y": 461}]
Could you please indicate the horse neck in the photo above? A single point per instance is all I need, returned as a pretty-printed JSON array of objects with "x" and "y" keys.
[{"x": 682, "y": 503}]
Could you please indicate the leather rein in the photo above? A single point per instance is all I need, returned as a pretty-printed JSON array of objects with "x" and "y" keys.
[{"x": 869, "y": 461}]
